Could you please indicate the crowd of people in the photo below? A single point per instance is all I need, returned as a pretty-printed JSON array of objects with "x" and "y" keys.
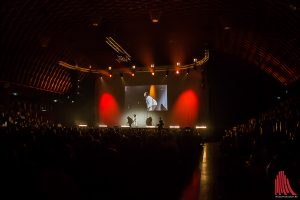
[
  {"x": 271, "y": 141},
  {"x": 45, "y": 161},
  {"x": 22, "y": 114}
]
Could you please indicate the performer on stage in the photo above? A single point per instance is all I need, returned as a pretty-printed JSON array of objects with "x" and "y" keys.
[
  {"x": 129, "y": 121},
  {"x": 160, "y": 124},
  {"x": 134, "y": 120}
]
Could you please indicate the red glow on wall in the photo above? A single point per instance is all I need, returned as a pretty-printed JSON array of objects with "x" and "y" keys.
[
  {"x": 185, "y": 110},
  {"x": 109, "y": 110}
]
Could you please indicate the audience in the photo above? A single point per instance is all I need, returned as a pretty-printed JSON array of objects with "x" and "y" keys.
[
  {"x": 270, "y": 141},
  {"x": 43, "y": 161}
]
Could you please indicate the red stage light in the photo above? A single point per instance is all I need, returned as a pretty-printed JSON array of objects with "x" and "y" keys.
[
  {"x": 109, "y": 110},
  {"x": 177, "y": 71},
  {"x": 186, "y": 109}
]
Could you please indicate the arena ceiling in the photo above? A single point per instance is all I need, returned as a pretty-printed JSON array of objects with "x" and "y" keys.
[{"x": 37, "y": 34}]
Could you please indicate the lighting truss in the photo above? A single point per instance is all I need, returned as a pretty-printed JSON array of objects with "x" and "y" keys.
[
  {"x": 122, "y": 55},
  {"x": 141, "y": 69}
]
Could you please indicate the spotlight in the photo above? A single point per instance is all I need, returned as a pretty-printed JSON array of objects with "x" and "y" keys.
[
  {"x": 110, "y": 75},
  {"x": 152, "y": 65},
  {"x": 153, "y": 73},
  {"x": 201, "y": 127},
  {"x": 90, "y": 67},
  {"x": 177, "y": 71},
  {"x": 178, "y": 64},
  {"x": 155, "y": 20},
  {"x": 109, "y": 68},
  {"x": 195, "y": 60},
  {"x": 176, "y": 126},
  {"x": 102, "y": 125},
  {"x": 133, "y": 66},
  {"x": 132, "y": 74}
]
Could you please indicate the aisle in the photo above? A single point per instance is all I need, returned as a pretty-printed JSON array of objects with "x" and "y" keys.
[{"x": 225, "y": 177}]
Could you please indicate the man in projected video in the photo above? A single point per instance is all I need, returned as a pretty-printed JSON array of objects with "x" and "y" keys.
[{"x": 150, "y": 101}]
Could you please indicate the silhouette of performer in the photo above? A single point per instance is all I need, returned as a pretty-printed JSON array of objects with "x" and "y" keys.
[
  {"x": 129, "y": 121},
  {"x": 160, "y": 124},
  {"x": 134, "y": 120}
]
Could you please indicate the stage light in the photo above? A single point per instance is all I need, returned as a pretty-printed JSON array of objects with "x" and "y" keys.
[
  {"x": 201, "y": 127},
  {"x": 132, "y": 74},
  {"x": 150, "y": 126},
  {"x": 152, "y": 65},
  {"x": 177, "y": 71},
  {"x": 133, "y": 66},
  {"x": 82, "y": 125},
  {"x": 102, "y": 126},
  {"x": 153, "y": 73},
  {"x": 90, "y": 67},
  {"x": 178, "y": 64},
  {"x": 72, "y": 101},
  {"x": 195, "y": 60},
  {"x": 15, "y": 94},
  {"x": 155, "y": 20},
  {"x": 109, "y": 68},
  {"x": 110, "y": 75},
  {"x": 55, "y": 100},
  {"x": 174, "y": 127}
]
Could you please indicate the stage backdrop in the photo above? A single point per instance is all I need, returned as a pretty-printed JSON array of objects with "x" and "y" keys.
[{"x": 178, "y": 99}]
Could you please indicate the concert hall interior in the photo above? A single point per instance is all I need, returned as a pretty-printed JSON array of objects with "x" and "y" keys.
[{"x": 150, "y": 99}]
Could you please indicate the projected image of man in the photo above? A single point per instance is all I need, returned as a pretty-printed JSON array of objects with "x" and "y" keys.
[{"x": 150, "y": 101}]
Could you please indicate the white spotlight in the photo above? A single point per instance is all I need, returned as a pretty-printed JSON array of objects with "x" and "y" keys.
[
  {"x": 201, "y": 127},
  {"x": 102, "y": 126},
  {"x": 174, "y": 126}
]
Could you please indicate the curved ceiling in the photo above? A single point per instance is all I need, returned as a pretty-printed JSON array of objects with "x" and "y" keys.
[{"x": 37, "y": 34}]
